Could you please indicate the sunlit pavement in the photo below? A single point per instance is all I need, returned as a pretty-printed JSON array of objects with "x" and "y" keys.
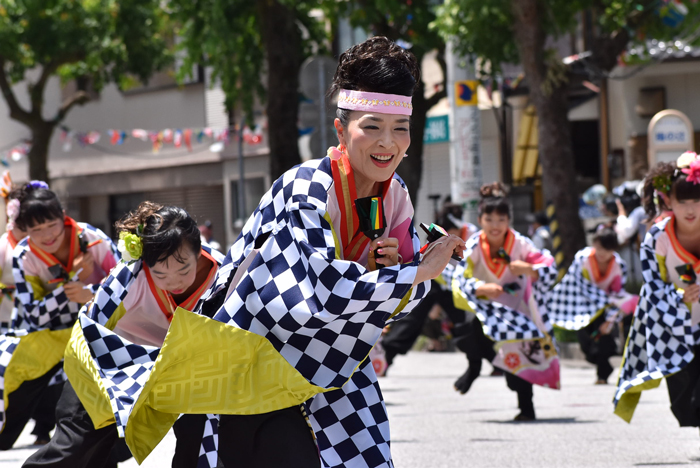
[{"x": 433, "y": 426}]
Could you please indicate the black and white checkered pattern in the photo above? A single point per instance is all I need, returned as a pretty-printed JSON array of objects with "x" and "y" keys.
[
  {"x": 53, "y": 311},
  {"x": 322, "y": 314},
  {"x": 208, "y": 451},
  {"x": 351, "y": 424},
  {"x": 661, "y": 339},
  {"x": 500, "y": 322},
  {"x": 124, "y": 367},
  {"x": 575, "y": 301},
  {"x": 7, "y": 347},
  {"x": 59, "y": 377}
]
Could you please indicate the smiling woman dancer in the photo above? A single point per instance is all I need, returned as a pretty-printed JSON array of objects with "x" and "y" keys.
[
  {"x": 306, "y": 265},
  {"x": 663, "y": 340},
  {"x": 56, "y": 269}
]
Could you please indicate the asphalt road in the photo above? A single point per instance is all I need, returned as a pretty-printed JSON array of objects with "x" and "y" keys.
[{"x": 434, "y": 427}]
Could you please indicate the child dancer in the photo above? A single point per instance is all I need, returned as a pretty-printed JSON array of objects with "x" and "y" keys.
[
  {"x": 502, "y": 279},
  {"x": 56, "y": 269},
  {"x": 591, "y": 299},
  {"x": 164, "y": 266},
  {"x": 663, "y": 340}
]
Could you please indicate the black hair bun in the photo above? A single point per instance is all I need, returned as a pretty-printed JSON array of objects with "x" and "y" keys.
[{"x": 493, "y": 190}]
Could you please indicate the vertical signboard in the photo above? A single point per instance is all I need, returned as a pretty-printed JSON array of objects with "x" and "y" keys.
[
  {"x": 670, "y": 134},
  {"x": 465, "y": 162}
]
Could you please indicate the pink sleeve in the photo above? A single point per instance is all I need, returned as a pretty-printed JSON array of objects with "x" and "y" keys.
[
  {"x": 535, "y": 257},
  {"x": 108, "y": 263}
]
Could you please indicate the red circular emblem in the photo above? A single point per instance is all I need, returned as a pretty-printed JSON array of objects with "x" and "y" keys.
[{"x": 512, "y": 360}]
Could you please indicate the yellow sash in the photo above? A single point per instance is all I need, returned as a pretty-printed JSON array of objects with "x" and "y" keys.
[{"x": 205, "y": 366}]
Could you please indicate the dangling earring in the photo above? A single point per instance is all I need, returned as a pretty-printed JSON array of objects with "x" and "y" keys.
[{"x": 343, "y": 150}]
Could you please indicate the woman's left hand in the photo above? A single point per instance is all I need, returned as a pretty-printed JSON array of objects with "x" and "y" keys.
[
  {"x": 519, "y": 267},
  {"x": 388, "y": 247}
]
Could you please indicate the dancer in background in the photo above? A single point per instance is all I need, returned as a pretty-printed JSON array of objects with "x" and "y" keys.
[
  {"x": 8, "y": 242},
  {"x": 56, "y": 269},
  {"x": 164, "y": 267},
  {"x": 503, "y": 279},
  {"x": 663, "y": 340},
  {"x": 590, "y": 299}
]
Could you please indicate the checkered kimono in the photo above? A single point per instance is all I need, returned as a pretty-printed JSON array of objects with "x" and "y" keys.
[
  {"x": 576, "y": 300},
  {"x": 323, "y": 314},
  {"x": 123, "y": 366},
  {"x": 511, "y": 321},
  {"x": 42, "y": 305},
  {"x": 664, "y": 330},
  {"x": 44, "y": 315}
]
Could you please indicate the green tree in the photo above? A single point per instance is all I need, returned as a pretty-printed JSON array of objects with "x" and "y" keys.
[
  {"x": 407, "y": 21},
  {"x": 243, "y": 42},
  {"x": 91, "y": 41},
  {"x": 518, "y": 31}
]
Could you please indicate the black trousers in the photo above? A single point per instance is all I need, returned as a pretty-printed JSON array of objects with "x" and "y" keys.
[
  {"x": 22, "y": 404},
  {"x": 77, "y": 444},
  {"x": 524, "y": 390},
  {"x": 684, "y": 392},
  {"x": 597, "y": 347},
  {"x": 280, "y": 439},
  {"x": 404, "y": 333},
  {"x": 44, "y": 414}
]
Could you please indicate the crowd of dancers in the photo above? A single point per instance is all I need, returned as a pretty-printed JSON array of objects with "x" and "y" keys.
[{"x": 261, "y": 357}]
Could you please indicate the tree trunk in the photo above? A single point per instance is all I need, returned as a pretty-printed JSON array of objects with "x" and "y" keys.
[
  {"x": 282, "y": 40},
  {"x": 555, "y": 147},
  {"x": 38, "y": 155}
]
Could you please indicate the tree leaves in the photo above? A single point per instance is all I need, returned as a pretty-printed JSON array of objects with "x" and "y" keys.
[{"x": 100, "y": 39}]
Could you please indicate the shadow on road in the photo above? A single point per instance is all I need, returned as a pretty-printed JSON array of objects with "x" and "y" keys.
[{"x": 545, "y": 421}]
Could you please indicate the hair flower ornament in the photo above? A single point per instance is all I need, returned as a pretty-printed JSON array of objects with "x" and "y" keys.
[
  {"x": 38, "y": 184},
  {"x": 685, "y": 159},
  {"x": 693, "y": 172},
  {"x": 12, "y": 213},
  {"x": 130, "y": 246},
  {"x": 662, "y": 183}
]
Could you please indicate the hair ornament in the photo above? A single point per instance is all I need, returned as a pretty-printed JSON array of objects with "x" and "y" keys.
[
  {"x": 693, "y": 172},
  {"x": 12, "y": 210},
  {"x": 662, "y": 183},
  {"x": 130, "y": 245},
  {"x": 685, "y": 159},
  {"x": 5, "y": 185},
  {"x": 38, "y": 184}
]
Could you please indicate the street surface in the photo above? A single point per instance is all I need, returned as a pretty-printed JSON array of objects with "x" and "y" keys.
[{"x": 435, "y": 427}]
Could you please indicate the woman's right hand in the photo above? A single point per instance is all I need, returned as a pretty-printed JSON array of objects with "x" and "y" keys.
[
  {"x": 691, "y": 294},
  {"x": 489, "y": 290},
  {"x": 437, "y": 257}
]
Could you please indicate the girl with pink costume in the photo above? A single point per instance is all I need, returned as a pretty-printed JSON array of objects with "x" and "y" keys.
[{"x": 503, "y": 280}]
